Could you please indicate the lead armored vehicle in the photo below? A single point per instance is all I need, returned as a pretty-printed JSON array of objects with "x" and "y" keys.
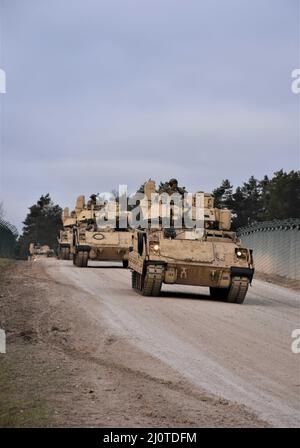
[{"x": 211, "y": 256}]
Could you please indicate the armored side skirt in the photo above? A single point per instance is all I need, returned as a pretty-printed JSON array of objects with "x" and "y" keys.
[
  {"x": 194, "y": 274},
  {"x": 218, "y": 277}
]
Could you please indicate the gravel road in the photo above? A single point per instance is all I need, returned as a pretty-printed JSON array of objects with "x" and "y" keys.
[{"x": 239, "y": 352}]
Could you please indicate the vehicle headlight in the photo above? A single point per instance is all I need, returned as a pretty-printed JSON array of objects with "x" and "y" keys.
[
  {"x": 154, "y": 248},
  {"x": 241, "y": 253}
]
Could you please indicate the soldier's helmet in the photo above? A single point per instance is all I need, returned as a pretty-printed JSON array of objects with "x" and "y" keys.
[{"x": 173, "y": 182}]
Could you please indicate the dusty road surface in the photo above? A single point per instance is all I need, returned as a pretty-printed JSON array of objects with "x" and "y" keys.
[{"x": 180, "y": 359}]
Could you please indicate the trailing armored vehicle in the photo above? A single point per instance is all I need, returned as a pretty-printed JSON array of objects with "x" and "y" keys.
[
  {"x": 65, "y": 239},
  {"x": 95, "y": 243},
  {"x": 211, "y": 256},
  {"x": 37, "y": 251}
]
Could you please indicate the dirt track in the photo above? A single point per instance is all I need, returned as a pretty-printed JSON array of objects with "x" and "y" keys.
[{"x": 181, "y": 359}]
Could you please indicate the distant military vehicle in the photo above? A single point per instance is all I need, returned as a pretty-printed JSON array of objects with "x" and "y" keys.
[
  {"x": 94, "y": 243},
  {"x": 212, "y": 256},
  {"x": 65, "y": 239},
  {"x": 38, "y": 251}
]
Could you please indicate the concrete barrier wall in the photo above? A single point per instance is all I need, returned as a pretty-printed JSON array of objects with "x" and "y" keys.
[{"x": 276, "y": 246}]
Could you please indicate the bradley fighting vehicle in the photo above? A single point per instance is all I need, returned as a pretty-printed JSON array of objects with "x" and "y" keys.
[
  {"x": 38, "y": 251},
  {"x": 65, "y": 239},
  {"x": 212, "y": 256},
  {"x": 93, "y": 243}
]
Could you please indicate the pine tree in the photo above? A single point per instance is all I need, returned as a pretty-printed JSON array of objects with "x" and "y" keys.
[
  {"x": 41, "y": 225},
  {"x": 223, "y": 195},
  {"x": 267, "y": 199},
  {"x": 247, "y": 203},
  {"x": 281, "y": 195}
]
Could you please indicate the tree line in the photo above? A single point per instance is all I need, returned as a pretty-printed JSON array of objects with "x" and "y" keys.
[{"x": 257, "y": 200}]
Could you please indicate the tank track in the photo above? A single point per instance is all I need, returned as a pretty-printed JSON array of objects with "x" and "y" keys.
[
  {"x": 81, "y": 259},
  {"x": 238, "y": 290},
  {"x": 148, "y": 284},
  {"x": 64, "y": 253}
]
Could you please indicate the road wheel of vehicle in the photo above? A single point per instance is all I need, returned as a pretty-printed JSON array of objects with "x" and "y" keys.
[{"x": 125, "y": 264}]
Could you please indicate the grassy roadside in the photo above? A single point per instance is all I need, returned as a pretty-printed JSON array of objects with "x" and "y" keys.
[
  {"x": 22, "y": 403},
  {"x": 5, "y": 263},
  {"x": 21, "y": 399}
]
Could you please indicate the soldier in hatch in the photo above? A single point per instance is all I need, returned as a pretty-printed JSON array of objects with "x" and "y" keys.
[
  {"x": 171, "y": 187},
  {"x": 92, "y": 201}
]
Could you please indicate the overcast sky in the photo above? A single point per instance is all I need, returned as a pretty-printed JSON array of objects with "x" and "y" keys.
[{"x": 117, "y": 91}]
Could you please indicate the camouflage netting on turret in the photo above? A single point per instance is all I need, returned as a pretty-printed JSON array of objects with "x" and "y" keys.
[{"x": 8, "y": 237}]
